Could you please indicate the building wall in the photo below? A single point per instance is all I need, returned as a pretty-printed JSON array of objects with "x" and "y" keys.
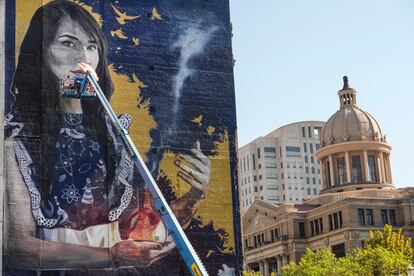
[
  {"x": 288, "y": 176},
  {"x": 171, "y": 65},
  {"x": 349, "y": 231}
]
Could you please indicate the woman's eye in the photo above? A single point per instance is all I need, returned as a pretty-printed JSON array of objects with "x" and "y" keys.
[
  {"x": 68, "y": 43},
  {"x": 92, "y": 47}
]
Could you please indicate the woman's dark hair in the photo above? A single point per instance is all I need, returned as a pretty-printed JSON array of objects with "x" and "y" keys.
[{"x": 36, "y": 87}]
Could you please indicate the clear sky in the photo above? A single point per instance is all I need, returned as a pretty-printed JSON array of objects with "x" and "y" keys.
[{"x": 291, "y": 56}]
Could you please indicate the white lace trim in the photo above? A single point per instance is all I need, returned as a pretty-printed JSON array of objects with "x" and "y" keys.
[
  {"x": 124, "y": 170},
  {"x": 24, "y": 161}
]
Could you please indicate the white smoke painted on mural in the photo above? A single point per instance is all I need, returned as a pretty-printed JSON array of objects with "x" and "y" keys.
[
  {"x": 226, "y": 271},
  {"x": 191, "y": 43}
]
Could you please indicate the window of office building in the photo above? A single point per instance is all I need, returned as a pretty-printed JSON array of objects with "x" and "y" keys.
[
  {"x": 306, "y": 159},
  {"x": 306, "y": 169},
  {"x": 255, "y": 189},
  {"x": 340, "y": 162},
  {"x": 336, "y": 221},
  {"x": 270, "y": 165},
  {"x": 307, "y": 180},
  {"x": 310, "y": 132},
  {"x": 313, "y": 180},
  {"x": 356, "y": 169},
  {"x": 292, "y": 151},
  {"x": 311, "y": 147},
  {"x": 384, "y": 216},
  {"x": 339, "y": 250},
  {"x": 303, "y": 132},
  {"x": 305, "y": 148},
  {"x": 302, "y": 230},
  {"x": 258, "y": 153},
  {"x": 271, "y": 176},
  {"x": 393, "y": 220},
  {"x": 372, "y": 168},
  {"x": 270, "y": 152},
  {"x": 313, "y": 170},
  {"x": 254, "y": 161},
  {"x": 370, "y": 217},
  {"x": 312, "y": 229},
  {"x": 361, "y": 217},
  {"x": 309, "y": 191},
  {"x": 314, "y": 191},
  {"x": 312, "y": 159},
  {"x": 248, "y": 167},
  {"x": 321, "y": 225}
]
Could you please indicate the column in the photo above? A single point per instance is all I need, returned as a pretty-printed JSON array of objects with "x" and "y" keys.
[
  {"x": 388, "y": 164},
  {"x": 380, "y": 176},
  {"x": 279, "y": 264},
  {"x": 322, "y": 175},
  {"x": 261, "y": 266},
  {"x": 266, "y": 268},
  {"x": 384, "y": 177},
  {"x": 348, "y": 168},
  {"x": 331, "y": 171},
  {"x": 366, "y": 167},
  {"x": 284, "y": 260}
]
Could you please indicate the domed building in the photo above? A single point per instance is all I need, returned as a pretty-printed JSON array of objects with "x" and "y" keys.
[
  {"x": 358, "y": 195},
  {"x": 354, "y": 153}
]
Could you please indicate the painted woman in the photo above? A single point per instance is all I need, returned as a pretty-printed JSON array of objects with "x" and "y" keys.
[{"x": 72, "y": 199}]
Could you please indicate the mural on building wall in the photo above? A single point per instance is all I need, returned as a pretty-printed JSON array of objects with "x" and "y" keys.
[{"x": 74, "y": 200}]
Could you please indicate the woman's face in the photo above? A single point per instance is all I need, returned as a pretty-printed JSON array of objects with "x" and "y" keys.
[{"x": 71, "y": 45}]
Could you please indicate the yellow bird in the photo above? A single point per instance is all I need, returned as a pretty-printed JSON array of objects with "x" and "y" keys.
[
  {"x": 210, "y": 130},
  {"x": 119, "y": 33},
  {"x": 139, "y": 83},
  {"x": 136, "y": 41},
  {"x": 122, "y": 16},
  {"x": 197, "y": 120},
  {"x": 155, "y": 15}
]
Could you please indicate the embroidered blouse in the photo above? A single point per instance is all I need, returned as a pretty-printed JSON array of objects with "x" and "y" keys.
[{"x": 79, "y": 194}]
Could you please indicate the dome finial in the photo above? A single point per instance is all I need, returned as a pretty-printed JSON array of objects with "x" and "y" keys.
[{"x": 346, "y": 85}]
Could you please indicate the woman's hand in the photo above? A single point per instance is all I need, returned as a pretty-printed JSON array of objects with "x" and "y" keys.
[
  {"x": 140, "y": 253},
  {"x": 195, "y": 170}
]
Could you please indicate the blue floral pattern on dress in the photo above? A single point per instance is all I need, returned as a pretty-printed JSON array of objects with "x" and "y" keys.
[{"x": 79, "y": 179}]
